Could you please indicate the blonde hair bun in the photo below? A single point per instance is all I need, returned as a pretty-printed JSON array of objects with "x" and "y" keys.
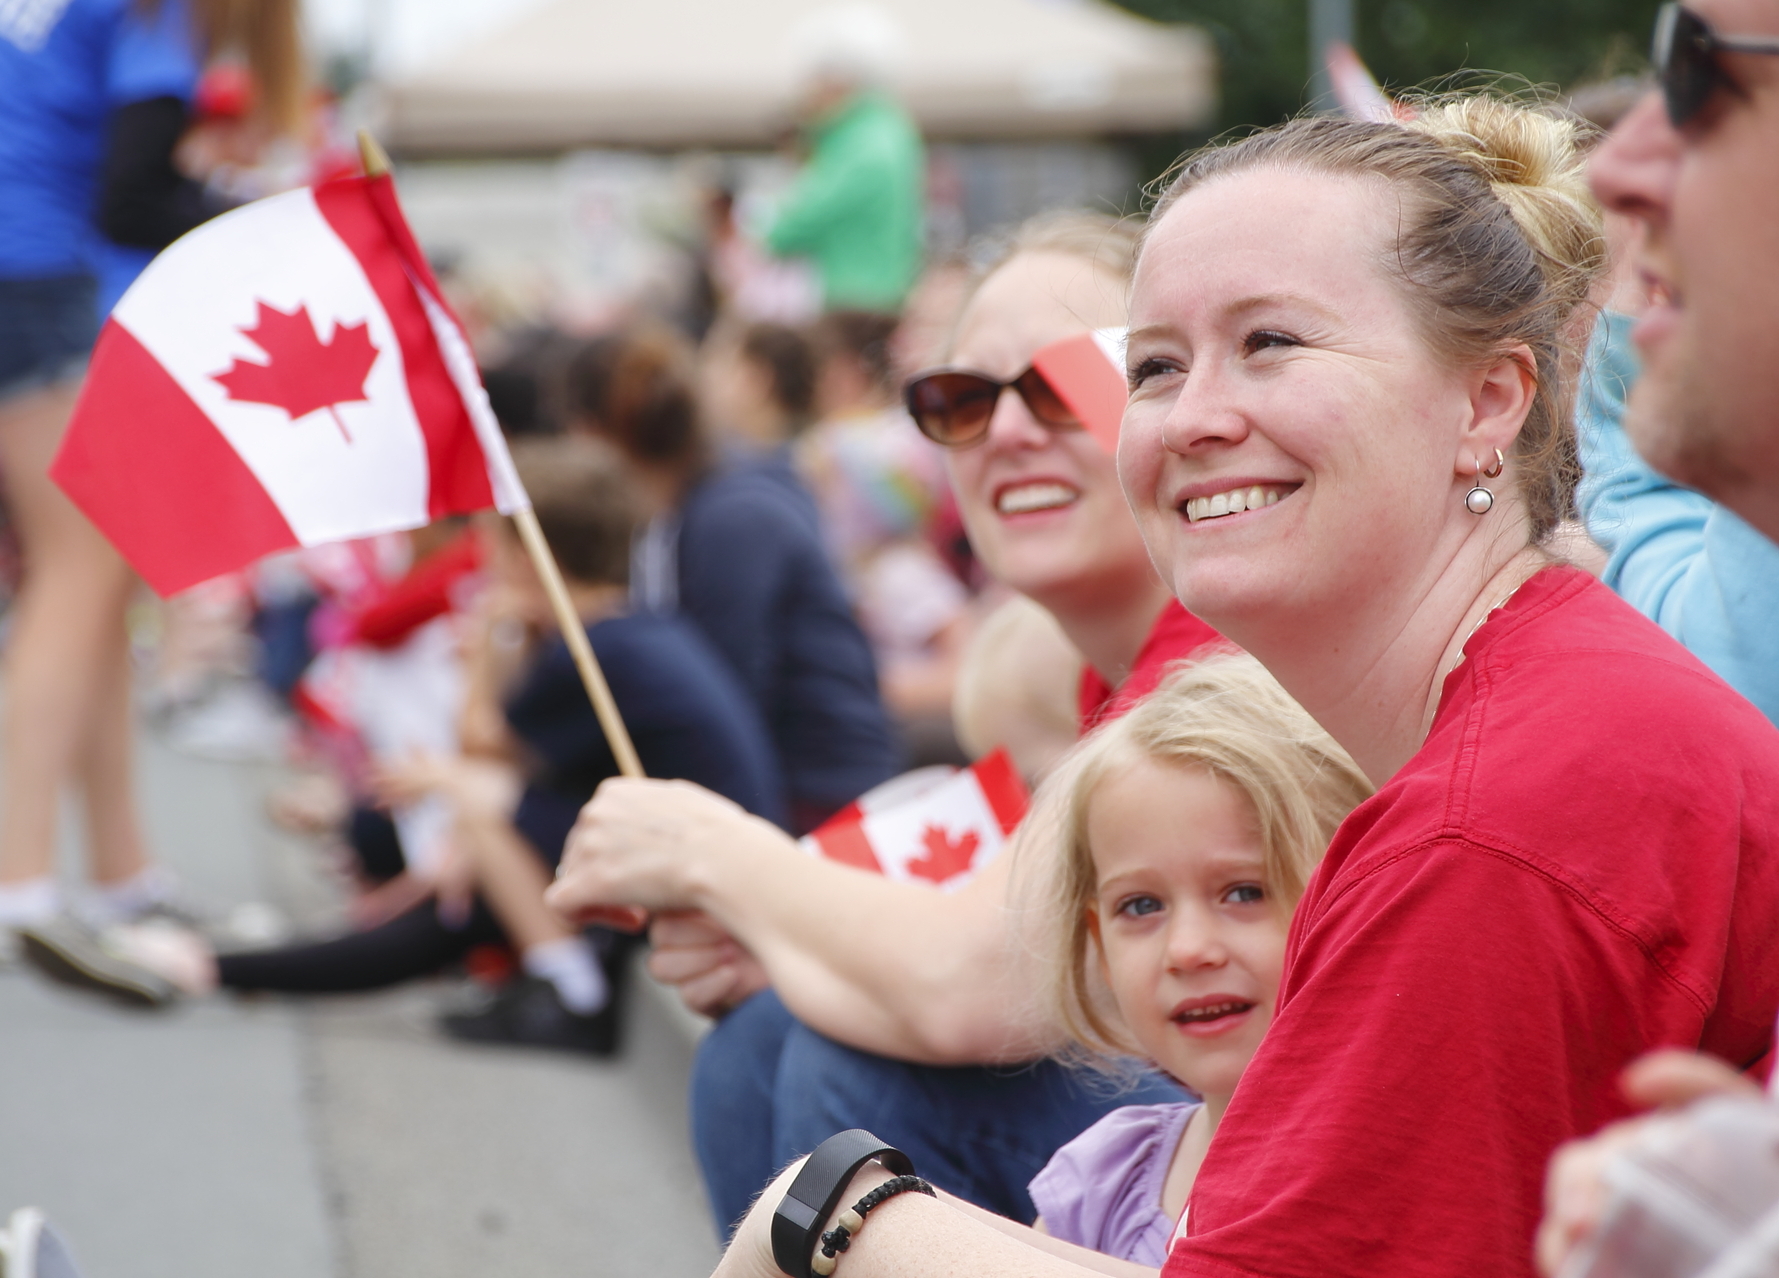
[{"x": 1533, "y": 160}]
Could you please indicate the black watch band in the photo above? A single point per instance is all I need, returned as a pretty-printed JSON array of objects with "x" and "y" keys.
[{"x": 815, "y": 1194}]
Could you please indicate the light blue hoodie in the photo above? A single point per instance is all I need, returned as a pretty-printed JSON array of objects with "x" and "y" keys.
[{"x": 1697, "y": 570}]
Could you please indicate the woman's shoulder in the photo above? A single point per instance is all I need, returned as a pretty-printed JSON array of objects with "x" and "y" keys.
[
  {"x": 1577, "y": 673},
  {"x": 1582, "y": 746},
  {"x": 750, "y": 506}
]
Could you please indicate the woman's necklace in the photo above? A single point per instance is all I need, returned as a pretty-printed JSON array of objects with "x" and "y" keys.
[{"x": 1536, "y": 562}]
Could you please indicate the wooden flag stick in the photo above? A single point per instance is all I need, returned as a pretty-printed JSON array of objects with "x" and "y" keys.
[
  {"x": 598, "y": 692},
  {"x": 574, "y": 634},
  {"x": 373, "y": 157}
]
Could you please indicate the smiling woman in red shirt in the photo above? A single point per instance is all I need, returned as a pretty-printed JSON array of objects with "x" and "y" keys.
[
  {"x": 1346, "y": 445},
  {"x": 1571, "y": 856}
]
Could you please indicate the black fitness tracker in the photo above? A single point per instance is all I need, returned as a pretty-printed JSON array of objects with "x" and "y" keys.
[{"x": 815, "y": 1193}]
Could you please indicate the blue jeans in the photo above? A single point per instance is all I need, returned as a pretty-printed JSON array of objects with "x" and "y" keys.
[
  {"x": 767, "y": 1089},
  {"x": 47, "y": 328}
]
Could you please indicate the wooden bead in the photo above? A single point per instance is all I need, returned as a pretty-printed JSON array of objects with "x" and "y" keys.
[
  {"x": 823, "y": 1265},
  {"x": 850, "y": 1221}
]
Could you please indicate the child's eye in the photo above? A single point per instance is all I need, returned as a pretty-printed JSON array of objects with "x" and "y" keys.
[
  {"x": 1137, "y": 906},
  {"x": 1245, "y": 894},
  {"x": 1266, "y": 338}
]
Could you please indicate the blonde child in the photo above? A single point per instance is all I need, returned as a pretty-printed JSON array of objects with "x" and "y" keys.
[{"x": 1187, "y": 832}]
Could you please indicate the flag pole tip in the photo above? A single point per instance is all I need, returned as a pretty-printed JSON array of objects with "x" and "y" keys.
[{"x": 374, "y": 158}]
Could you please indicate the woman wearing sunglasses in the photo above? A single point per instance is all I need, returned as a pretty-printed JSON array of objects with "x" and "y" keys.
[
  {"x": 1041, "y": 502},
  {"x": 1038, "y": 494},
  {"x": 1573, "y": 853}
]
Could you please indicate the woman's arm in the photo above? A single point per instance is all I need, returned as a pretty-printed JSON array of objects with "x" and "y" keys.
[
  {"x": 913, "y": 1236},
  {"x": 144, "y": 201},
  {"x": 895, "y": 968}
]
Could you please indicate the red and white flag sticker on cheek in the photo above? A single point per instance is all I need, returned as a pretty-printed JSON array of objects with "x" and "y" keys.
[
  {"x": 284, "y": 375},
  {"x": 935, "y": 825},
  {"x": 1087, "y": 372}
]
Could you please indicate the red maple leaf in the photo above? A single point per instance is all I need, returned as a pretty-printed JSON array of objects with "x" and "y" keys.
[
  {"x": 302, "y": 373},
  {"x": 945, "y": 857}
]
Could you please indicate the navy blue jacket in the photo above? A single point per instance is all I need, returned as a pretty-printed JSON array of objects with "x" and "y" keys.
[
  {"x": 755, "y": 578},
  {"x": 685, "y": 711}
]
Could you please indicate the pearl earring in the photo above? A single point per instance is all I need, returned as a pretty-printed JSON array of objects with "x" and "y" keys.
[{"x": 1479, "y": 500}]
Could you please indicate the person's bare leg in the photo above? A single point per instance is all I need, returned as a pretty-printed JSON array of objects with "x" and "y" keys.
[
  {"x": 106, "y": 765},
  {"x": 512, "y": 881},
  {"x": 64, "y": 659}
]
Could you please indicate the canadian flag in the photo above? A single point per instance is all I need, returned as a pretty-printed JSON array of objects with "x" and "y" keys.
[
  {"x": 285, "y": 375},
  {"x": 938, "y": 825},
  {"x": 1087, "y": 371}
]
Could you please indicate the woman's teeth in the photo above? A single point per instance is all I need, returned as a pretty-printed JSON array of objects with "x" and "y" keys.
[
  {"x": 1233, "y": 502},
  {"x": 1215, "y": 1012},
  {"x": 1029, "y": 497}
]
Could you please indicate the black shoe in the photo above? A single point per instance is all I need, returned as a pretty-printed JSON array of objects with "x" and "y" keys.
[{"x": 527, "y": 1011}]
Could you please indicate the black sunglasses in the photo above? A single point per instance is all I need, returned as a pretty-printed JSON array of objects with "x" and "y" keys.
[
  {"x": 1685, "y": 57},
  {"x": 953, "y": 406}
]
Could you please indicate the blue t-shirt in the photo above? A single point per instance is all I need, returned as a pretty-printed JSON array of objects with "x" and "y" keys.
[
  {"x": 686, "y": 714},
  {"x": 1693, "y": 567},
  {"x": 65, "y": 66}
]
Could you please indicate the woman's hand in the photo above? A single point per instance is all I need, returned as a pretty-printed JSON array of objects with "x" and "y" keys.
[
  {"x": 1575, "y": 1194},
  {"x": 711, "y": 970},
  {"x": 650, "y": 844}
]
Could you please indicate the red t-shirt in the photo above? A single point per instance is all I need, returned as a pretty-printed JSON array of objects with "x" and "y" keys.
[
  {"x": 1176, "y": 634},
  {"x": 1580, "y": 864}
]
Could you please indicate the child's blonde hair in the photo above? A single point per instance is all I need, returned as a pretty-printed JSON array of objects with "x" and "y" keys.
[{"x": 1227, "y": 715}]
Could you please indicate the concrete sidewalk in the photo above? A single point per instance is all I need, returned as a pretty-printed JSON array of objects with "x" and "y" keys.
[{"x": 340, "y": 1136}]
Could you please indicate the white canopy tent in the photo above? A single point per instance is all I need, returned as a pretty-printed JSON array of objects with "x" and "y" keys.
[{"x": 568, "y": 74}]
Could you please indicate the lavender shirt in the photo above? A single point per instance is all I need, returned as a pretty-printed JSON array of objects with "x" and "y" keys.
[{"x": 1103, "y": 1189}]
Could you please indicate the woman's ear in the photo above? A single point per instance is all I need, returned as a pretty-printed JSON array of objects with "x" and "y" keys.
[{"x": 1500, "y": 401}]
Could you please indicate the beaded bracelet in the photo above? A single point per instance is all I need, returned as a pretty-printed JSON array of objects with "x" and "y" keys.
[{"x": 850, "y": 1221}]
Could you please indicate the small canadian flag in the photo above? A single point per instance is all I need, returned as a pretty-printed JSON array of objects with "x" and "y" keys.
[
  {"x": 285, "y": 375},
  {"x": 935, "y": 824},
  {"x": 1087, "y": 371}
]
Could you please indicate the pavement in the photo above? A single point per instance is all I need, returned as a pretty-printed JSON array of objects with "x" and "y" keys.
[{"x": 334, "y": 1137}]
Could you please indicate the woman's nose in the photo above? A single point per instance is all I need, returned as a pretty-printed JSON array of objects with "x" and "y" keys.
[
  {"x": 1012, "y": 424},
  {"x": 1634, "y": 170},
  {"x": 1204, "y": 412}
]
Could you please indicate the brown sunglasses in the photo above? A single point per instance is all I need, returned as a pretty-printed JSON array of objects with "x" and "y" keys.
[{"x": 953, "y": 406}]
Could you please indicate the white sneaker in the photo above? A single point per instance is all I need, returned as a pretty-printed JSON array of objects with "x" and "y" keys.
[
  {"x": 71, "y": 953},
  {"x": 30, "y": 1248}
]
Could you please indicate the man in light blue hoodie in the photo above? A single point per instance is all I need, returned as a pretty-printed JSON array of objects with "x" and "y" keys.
[{"x": 1698, "y": 570}]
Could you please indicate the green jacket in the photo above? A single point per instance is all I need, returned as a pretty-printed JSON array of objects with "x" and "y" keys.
[{"x": 858, "y": 207}]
